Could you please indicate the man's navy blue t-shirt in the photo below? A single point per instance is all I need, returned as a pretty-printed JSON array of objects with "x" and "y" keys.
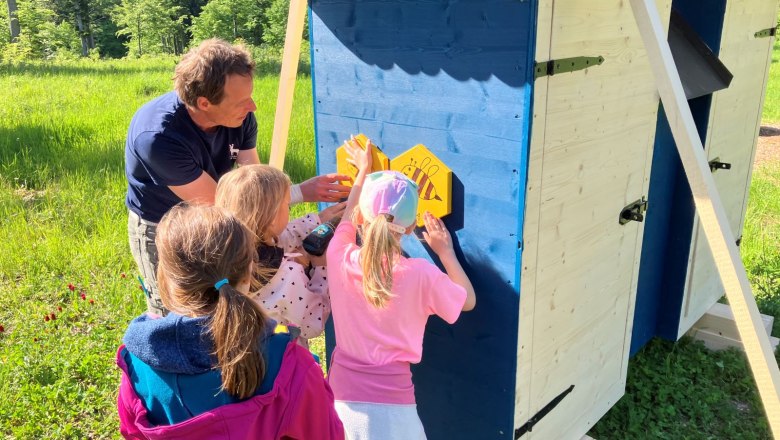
[{"x": 165, "y": 148}]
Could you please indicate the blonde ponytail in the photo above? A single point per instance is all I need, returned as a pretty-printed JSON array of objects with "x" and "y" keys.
[{"x": 381, "y": 248}]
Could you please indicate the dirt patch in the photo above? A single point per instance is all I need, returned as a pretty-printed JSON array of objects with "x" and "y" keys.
[{"x": 768, "y": 148}]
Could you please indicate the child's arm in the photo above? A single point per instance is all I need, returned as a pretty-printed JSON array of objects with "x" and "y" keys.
[
  {"x": 438, "y": 238},
  {"x": 291, "y": 238},
  {"x": 361, "y": 159}
]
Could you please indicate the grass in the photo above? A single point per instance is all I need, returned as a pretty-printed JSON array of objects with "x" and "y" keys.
[
  {"x": 772, "y": 101},
  {"x": 63, "y": 222},
  {"x": 682, "y": 390}
]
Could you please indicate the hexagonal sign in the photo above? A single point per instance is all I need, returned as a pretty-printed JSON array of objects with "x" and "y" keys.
[
  {"x": 432, "y": 176},
  {"x": 380, "y": 160}
]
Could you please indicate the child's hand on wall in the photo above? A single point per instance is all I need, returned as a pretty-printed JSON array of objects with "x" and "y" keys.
[
  {"x": 359, "y": 157},
  {"x": 436, "y": 235}
]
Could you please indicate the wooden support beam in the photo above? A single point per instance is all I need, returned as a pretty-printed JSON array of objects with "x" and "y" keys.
[
  {"x": 717, "y": 329},
  {"x": 712, "y": 216},
  {"x": 289, "y": 72}
]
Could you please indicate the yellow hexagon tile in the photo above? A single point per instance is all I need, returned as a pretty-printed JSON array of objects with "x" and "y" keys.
[
  {"x": 433, "y": 177},
  {"x": 380, "y": 160}
]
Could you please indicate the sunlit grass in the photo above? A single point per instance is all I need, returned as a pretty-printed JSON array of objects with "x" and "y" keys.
[{"x": 63, "y": 221}]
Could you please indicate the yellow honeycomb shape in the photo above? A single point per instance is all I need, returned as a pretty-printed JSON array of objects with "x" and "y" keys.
[
  {"x": 432, "y": 176},
  {"x": 380, "y": 161}
]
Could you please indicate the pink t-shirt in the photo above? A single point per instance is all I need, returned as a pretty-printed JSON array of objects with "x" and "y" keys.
[{"x": 374, "y": 347}]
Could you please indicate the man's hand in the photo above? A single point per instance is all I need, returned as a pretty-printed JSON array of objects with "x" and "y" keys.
[{"x": 325, "y": 188}]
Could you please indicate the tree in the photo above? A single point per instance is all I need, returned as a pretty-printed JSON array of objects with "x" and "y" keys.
[
  {"x": 230, "y": 20},
  {"x": 43, "y": 34},
  {"x": 84, "y": 15},
  {"x": 153, "y": 26},
  {"x": 13, "y": 21},
  {"x": 276, "y": 23}
]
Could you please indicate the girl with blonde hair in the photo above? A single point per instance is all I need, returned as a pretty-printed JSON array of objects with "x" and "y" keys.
[
  {"x": 291, "y": 292},
  {"x": 212, "y": 368},
  {"x": 382, "y": 300}
]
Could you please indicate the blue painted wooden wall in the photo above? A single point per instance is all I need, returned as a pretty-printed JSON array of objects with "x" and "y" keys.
[
  {"x": 456, "y": 76},
  {"x": 669, "y": 220}
]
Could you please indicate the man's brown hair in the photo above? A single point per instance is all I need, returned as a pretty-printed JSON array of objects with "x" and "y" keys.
[{"x": 202, "y": 71}]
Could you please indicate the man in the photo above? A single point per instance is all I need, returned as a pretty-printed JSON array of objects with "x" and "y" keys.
[{"x": 180, "y": 144}]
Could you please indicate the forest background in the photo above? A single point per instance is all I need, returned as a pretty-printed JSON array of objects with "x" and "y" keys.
[{"x": 68, "y": 29}]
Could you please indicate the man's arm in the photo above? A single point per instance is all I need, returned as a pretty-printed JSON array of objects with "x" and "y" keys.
[
  {"x": 248, "y": 157},
  {"x": 200, "y": 191}
]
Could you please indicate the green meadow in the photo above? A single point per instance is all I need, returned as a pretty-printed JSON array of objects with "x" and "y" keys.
[{"x": 68, "y": 283}]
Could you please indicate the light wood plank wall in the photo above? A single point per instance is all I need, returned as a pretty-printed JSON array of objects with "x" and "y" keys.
[
  {"x": 735, "y": 119},
  {"x": 591, "y": 149}
]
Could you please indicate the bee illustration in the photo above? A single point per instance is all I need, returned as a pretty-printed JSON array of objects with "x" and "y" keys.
[{"x": 422, "y": 177}]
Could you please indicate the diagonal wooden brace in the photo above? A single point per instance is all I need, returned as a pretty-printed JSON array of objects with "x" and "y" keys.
[
  {"x": 711, "y": 213},
  {"x": 284, "y": 101}
]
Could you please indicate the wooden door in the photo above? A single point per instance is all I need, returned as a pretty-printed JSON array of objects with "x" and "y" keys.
[
  {"x": 735, "y": 118},
  {"x": 591, "y": 148}
]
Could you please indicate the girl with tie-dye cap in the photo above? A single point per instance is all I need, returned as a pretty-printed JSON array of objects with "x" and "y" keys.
[{"x": 381, "y": 301}]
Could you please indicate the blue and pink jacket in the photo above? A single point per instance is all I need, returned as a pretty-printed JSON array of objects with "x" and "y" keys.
[{"x": 170, "y": 388}]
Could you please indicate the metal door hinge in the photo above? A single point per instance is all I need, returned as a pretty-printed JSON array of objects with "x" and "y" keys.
[
  {"x": 634, "y": 212},
  {"x": 528, "y": 426},
  {"x": 716, "y": 164},
  {"x": 771, "y": 32},
  {"x": 564, "y": 65}
]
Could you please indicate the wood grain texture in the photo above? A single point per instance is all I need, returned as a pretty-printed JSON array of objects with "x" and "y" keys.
[
  {"x": 713, "y": 217},
  {"x": 590, "y": 156},
  {"x": 735, "y": 117}
]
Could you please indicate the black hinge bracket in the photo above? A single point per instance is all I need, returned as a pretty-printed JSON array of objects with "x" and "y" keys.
[
  {"x": 716, "y": 164},
  {"x": 633, "y": 212},
  {"x": 564, "y": 65},
  {"x": 529, "y": 425},
  {"x": 771, "y": 32}
]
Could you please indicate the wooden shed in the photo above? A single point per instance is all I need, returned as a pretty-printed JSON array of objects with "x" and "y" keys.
[
  {"x": 546, "y": 113},
  {"x": 678, "y": 282}
]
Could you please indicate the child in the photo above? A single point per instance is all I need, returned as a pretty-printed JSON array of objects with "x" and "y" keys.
[
  {"x": 259, "y": 196},
  {"x": 212, "y": 368},
  {"x": 381, "y": 301}
]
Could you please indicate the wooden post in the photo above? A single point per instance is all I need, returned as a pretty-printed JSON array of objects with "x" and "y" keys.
[
  {"x": 284, "y": 101},
  {"x": 712, "y": 216}
]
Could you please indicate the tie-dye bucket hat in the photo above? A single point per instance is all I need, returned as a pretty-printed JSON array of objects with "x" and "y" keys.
[{"x": 392, "y": 193}]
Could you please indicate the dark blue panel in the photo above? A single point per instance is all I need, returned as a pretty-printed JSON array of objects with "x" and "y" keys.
[
  {"x": 667, "y": 236},
  {"x": 705, "y": 17},
  {"x": 669, "y": 220},
  {"x": 455, "y": 76}
]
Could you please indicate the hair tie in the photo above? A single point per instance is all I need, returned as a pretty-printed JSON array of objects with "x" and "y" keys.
[{"x": 220, "y": 283}]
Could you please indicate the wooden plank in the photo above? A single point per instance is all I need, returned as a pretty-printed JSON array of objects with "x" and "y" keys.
[
  {"x": 292, "y": 52},
  {"x": 716, "y": 342},
  {"x": 719, "y": 319},
  {"x": 735, "y": 118},
  {"x": 579, "y": 274},
  {"x": 531, "y": 224},
  {"x": 710, "y": 209}
]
